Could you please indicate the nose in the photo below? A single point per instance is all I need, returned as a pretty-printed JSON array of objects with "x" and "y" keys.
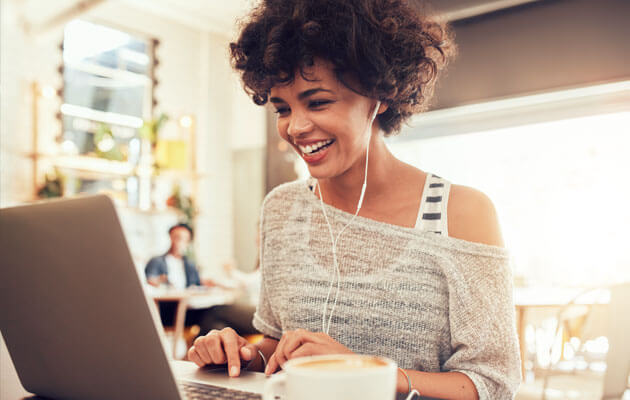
[{"x": 299, "y": 124}]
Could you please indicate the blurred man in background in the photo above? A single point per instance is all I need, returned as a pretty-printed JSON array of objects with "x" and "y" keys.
[
  {"x": 173, "y": 268},
  {"x": 175, "y": 271}
]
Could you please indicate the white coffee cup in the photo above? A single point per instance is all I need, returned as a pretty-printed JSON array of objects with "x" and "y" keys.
[{"x": 340, "y": 376}]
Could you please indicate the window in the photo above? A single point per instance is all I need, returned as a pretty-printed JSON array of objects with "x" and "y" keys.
[
  {"x": 560, "y": 188},
  {"x": 107, "y": 94}
]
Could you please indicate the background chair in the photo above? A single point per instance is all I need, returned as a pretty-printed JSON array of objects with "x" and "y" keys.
[
  {"x": 618, "y": 357},
  {"x": 585, "y": 318}
]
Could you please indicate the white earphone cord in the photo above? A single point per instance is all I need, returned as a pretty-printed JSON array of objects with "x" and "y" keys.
[{"x": 326, "y": 327}]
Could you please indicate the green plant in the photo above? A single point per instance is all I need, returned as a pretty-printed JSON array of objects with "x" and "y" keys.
[
  {"x": 150, "y": 131},
  {"x": 53, "y": 185},
  {"x": 105, "y": 144},
  {"x": 183, "y": 203}
]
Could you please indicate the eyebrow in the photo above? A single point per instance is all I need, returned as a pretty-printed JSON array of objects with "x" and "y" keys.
[{"x": 302, "y": 95}]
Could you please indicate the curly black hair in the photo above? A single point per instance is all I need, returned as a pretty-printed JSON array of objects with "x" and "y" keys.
[{"x": 389, "y": 47}]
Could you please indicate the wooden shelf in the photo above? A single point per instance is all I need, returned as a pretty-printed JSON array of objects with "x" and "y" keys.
[
  {"x": 94, "y": 165},
  {"x": 154, "y": 211},
  {"x": 102, "y": 166},
  {"x": 150, "y": 211},
  {"x": 178, "y": 174}
]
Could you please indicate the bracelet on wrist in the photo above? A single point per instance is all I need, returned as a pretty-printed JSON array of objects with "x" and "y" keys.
[
  {"x": 263, "y": 359},
  {"x": 408, "y": 380},
  {"x": 410, "y": 392}
]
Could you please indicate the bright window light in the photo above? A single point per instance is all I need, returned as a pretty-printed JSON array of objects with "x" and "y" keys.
[
  {"x": 561, "y": 190},
  {"x": 84, "y": 40}
]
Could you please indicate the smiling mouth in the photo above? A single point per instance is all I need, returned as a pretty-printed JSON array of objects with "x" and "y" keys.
[{"x": 316, "y": 147}]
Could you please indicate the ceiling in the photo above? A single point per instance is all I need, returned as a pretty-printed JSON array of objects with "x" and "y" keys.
[
  {"x": 219, "y": 15},
  {"x": 208, "y": 15}
]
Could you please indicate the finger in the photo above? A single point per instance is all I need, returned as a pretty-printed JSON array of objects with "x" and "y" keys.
[
  {"x": 241, "y": 340},
  {"x": 216, "y": 351},
  {"x": 299, "y": 338},
  {"x": 248, "y": 352},
  {"x": 308, "y": 349},
  {"x": 194, "y": 357},
  {"x": 277, "y": 353},
  {"x": 294, "y": 341},
  {"x": 272, "y": 365},
  {"x": 200, "y": 344},
  {"x": 215, "y": 348},
  {"x": 282, "y": 340},
  {"x": 231, "y": 348},
  {"x": 280, "y": 357}
]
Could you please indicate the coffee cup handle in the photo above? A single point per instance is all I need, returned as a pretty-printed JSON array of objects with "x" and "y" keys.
[{"x": 269, "y": 392}]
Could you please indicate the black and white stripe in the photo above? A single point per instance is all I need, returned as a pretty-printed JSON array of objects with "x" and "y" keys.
[{"x": 432, "y": 213}]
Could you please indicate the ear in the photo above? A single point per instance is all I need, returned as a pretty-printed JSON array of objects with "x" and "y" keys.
[{"x": 382, "y": 108}]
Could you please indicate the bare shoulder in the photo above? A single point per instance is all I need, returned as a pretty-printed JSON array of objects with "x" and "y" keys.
[{"x": 473, "y": 217}]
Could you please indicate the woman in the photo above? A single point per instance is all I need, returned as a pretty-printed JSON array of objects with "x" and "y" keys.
[{"x": 371, "y": 255}]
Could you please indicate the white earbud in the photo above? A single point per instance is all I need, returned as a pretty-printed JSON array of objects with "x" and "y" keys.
[
  {"x": 326, "y": 327},
  {"x": 367, "y": 154}
]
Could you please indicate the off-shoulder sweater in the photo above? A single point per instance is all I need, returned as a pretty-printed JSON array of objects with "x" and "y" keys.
[{"x": 430, "y": 302}]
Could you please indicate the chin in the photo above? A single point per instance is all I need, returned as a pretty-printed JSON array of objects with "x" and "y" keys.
[{"x": 318, "y": 174}]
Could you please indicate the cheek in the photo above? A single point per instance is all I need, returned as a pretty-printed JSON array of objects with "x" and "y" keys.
[
  {"x": 346, "y": 132},
  {"x": 340, "y": 125}
]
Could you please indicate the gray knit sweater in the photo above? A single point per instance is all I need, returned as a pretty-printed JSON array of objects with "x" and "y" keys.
[{"x": 431, "y": 303}]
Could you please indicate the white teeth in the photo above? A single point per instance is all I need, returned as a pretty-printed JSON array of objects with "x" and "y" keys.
[{"x": 314, "y": 147}]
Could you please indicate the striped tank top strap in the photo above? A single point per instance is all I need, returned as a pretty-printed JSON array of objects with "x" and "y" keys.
[{"x": 432, "y": 214}]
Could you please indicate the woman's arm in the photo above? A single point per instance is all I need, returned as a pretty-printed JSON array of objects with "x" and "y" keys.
[
  {"x": 441, "y": 385},
  {"x": 300, "y": 343},
  {"x": 481, "y": 311}
]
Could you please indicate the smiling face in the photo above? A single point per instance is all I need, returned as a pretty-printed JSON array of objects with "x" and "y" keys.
[{"x": 323, "y": 120}]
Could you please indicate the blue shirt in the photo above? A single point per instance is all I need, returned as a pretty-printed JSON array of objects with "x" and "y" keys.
[{"x": 157, "y": 266}]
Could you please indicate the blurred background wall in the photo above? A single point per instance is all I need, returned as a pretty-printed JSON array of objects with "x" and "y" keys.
[
  {"x": 194, "y": 79},
  {"x": 508, "y": 51}
]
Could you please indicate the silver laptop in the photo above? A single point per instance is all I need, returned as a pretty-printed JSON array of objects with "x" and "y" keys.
[{"x": 75, "y": 318}]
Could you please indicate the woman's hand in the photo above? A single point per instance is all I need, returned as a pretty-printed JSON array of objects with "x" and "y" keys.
[
  {"x": 219, "y": 347},
  {"x": 301, "y": 343}
]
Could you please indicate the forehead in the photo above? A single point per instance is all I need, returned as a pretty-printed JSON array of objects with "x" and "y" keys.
[
  {"x": 320, "y": 74},
  {"x": 180, "y": 231}
]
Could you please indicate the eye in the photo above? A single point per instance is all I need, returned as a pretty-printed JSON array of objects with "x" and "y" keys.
[
  {"x": 318, "y": 103},
  {"x": 282, "y": 110}
]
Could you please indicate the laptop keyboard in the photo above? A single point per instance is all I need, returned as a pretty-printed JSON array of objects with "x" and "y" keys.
[{"x": 194, "y": 391}]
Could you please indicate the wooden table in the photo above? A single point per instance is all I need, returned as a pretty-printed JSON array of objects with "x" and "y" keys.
[
  {"x": 194, "y": 299},
  {"x": 547, "y": 298}
]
